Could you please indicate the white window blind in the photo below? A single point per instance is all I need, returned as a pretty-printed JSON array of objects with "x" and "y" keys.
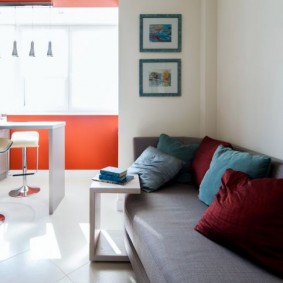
[
  {"x": 81, "y": 77},
  {"x": 94, "y": 69}
]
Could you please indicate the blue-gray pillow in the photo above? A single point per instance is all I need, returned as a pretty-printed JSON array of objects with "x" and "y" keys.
[
  {"x": 181, "y": 151},
  {"x": 155, "y": 168},
  {"x": 256, "y": 166}
]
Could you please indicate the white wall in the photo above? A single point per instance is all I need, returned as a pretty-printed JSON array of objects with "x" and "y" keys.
[
  {"x": 232, "y": 74},
  {"x": 208, "y": 68},
  {"x": 250, "y": 74},
  {"x": 151, "y": 116}
]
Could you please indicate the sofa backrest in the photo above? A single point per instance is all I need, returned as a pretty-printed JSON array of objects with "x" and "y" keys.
[
  {"x": 276, "y": 170},
  {"x": 141, "y": 143}
]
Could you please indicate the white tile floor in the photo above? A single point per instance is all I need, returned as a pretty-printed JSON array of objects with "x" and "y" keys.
[{"x": 36, "y": 247}]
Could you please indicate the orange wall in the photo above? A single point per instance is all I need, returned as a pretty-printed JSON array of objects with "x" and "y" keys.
[{"x": 91, "y": 142}]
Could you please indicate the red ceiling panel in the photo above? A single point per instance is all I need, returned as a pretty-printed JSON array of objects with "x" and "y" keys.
[
  {"x": 85, "y": 3},
  {"x": 24, "y": 1},
  {"x": 70, "y": 3}
]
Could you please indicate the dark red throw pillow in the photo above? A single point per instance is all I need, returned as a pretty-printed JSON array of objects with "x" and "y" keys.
[
  {"x": 203, "y": 157},
  {"x": 247, "y": 216}
]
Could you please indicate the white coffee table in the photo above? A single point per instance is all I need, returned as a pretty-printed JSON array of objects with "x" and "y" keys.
[{"x": 107, "y": 245}]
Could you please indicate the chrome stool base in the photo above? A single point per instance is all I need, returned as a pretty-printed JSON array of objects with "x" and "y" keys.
[{"x": 24, "y": 191}]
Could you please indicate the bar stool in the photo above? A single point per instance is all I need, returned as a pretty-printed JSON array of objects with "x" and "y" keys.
[
  {"x": 5, "y": 145},
  {"x": 24, "y": 140},
  {"x": 2, "y": 218}
]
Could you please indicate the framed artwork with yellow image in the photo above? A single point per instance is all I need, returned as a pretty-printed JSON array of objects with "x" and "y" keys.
[{"x": 160, "y": 77}]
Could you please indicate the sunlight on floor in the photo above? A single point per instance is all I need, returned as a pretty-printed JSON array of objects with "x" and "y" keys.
[
  {"x": 45, "y": 246},
  {"x": 38, "y": 247},
  {"x": 85, "y": 229},
  {"x": 4, "y": 245},
  {"x": 111, "y": 242}
]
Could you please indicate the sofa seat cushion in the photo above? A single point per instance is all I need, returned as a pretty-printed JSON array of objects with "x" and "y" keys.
[{"x": 161, "y": 228}]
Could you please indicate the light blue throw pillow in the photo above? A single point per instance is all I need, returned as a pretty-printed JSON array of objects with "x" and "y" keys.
[
  {"x": 155, "y": 168},
  {"x": 256, "y": 166}
]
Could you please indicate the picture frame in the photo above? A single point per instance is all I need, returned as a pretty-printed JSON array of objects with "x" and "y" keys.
[
  {"x": 160, "y": 32},
  {"x": 160, "y": 77}
]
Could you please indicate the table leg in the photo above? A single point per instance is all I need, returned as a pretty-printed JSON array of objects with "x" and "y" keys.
[
  {"x": 94, "y": 221},
  {"x": 56, "y": 167},
  {"x": 105, "y": 245}
]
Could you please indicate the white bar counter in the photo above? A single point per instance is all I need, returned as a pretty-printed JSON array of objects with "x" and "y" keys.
[{"x": 56, "y": 134}]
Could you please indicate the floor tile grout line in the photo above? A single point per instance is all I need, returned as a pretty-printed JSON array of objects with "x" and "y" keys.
[
  {"x": 69, "y": 273},
  {"x": 14, "y": 256},
  {"x": 64, "y": 273},
  {"x": 66, "y": 276}
]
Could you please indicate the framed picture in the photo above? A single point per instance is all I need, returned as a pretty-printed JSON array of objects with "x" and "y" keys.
[
  {"x": 160, "y": 77},
  {"x": 160, "y": 33}
]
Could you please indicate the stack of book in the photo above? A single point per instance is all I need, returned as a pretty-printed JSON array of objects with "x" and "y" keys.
[{"x": 113, "y": 175}]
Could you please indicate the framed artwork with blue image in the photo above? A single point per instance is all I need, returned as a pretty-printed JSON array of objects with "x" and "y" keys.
[{"x": 160, "y": 32}]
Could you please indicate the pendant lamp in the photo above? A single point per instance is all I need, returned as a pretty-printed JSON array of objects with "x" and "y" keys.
[
  {"x": 15, "y": 48},
  {"x": 31, "y": 51},
  {"x": 49, "y": 49}
]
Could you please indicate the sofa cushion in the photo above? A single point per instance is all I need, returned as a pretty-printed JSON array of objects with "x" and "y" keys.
[
  {"x": 256, "y": 165},
  {"x": 155, "y": 168},
  {"x": 161, "y": 228},
  {"x": 185, "y": 152},
  {"x": 203, "y": 156},
  {"x": 247, "y": 215}
]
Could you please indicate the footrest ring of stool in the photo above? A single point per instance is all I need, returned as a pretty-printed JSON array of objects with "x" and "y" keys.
[{"x": 23, "y": 174}]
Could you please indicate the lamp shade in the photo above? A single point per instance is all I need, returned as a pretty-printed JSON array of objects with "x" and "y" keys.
[
  {"x": 15, "y": 49},
  {"x": 31, "y": 52}
]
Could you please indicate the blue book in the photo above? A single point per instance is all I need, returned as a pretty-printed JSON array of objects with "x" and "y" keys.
[
  {"x": 112, "y": 177},
  {"x": 114, "y": 171},
  {"x": 125, "y": 181}
]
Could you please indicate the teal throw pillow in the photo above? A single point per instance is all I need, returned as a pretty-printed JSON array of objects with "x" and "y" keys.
[
  {"x": 256, "y": 166},
  {"x": 155, "y": 168},
  {"x": 182, "y": 151}
]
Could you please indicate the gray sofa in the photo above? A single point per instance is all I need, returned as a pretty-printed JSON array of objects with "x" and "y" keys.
[{"x": 164, "y": 247}]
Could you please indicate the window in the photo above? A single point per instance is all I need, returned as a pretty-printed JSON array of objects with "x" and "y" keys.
[
  {"x": 93, "y": 50},
  {"x": 81, "y": 77}
]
